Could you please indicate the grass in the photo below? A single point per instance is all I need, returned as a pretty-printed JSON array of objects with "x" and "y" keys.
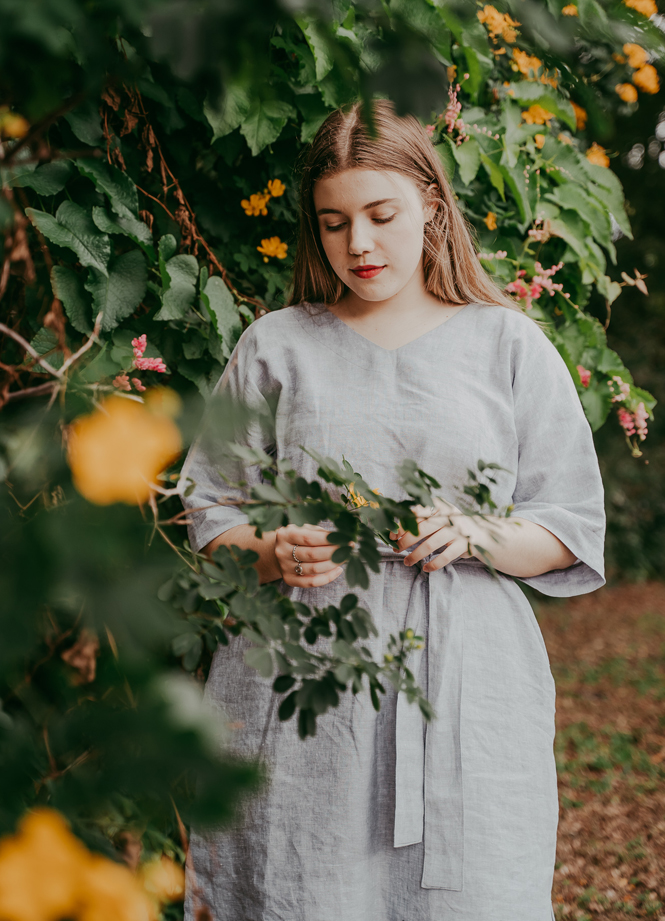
[{"x": 607, "y": 652}]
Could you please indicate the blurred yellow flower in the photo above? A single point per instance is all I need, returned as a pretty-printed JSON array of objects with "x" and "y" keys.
[
  {"x": 46, "y": 874},
  {"x": 276, "y": 187},
  {"x": 646, "y": 79},
  {"x": 117, "y": 451},
  {"x": 626, "y": 91},
  {"x": 570, "y": 10},
  {"x": 12, "y": 125},
  {"x": 636, "y": 54},
  {"x": 529, "y": 65},
  {"x": 273, "y": 246},
  {"x": 256, "y": 204},
  {"x": 498, "y": 23},
  {"x": 164, "y": 879},
  {"x": 359, "y": 501},
  {"x": 564, "y": 138},
  {"x": 580, "y": 116},
  {"x": 647, "y": 8},
  {"x": 490, "y": 220},
  {"x": 537, "y": 115},
  {"x": 596, "y": 155},
  {"x": 540, "y": 140}
]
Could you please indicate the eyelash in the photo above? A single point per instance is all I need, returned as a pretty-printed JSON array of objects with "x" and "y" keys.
[{"x": 377, "y": 220}]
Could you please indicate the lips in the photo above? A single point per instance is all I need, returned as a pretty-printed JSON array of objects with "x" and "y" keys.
[{"x": 368, "y": 271}]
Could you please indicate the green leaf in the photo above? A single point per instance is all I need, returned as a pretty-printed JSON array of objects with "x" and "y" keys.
[
  {"x": 447, "y": 159},
  {"x": 467, "y": 156},
  {"x": 167, "y": 247},
  {"x": 179, "y": 277},
  {"x": 219, "y": 302},
  {"x": 234, "y": 108},
  {"x": 530, "y": 93},
  {"x": 128, "y": 225},
  {"x": 43, "y": 343},
  {"x": 73, "y": 228},
  {"x": 116, "y": 185},
  {"x": 608, "y": 288},
  {"x": 609, "y": 192},
  {"x": 596, "y": 403},
  {"x": 356, "y": 574},
  {"x": 86, "y": 123},
  {"x": 314, "y": 112},
  {"x": 495, "y": 174},
  {"x": 68, "y": 286},
  {"x": 515, "y": 181},
  {"x": 287, "y": 707},
  {"x": 118, "y": 292},
  {"x": 260, "y": 658},
  {"x": 264, "y": 122},
  {"x": 48, "y": 179},
  {"x": 319, "y": 45}
]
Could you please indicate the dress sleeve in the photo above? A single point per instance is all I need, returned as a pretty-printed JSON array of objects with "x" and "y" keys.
[
  {"x": 209, "y": 466},
  {"x": 558, "y": 478}
]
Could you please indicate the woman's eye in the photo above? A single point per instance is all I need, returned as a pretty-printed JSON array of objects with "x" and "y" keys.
[
  {"x": 334, "y": 227},
  {"x": 384, "y": 220}
]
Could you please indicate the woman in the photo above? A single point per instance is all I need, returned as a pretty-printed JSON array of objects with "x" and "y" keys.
[{"x": 397, "y": 344}]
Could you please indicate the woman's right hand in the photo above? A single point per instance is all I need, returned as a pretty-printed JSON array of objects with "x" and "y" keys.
[{"x": 313, "y": 551}]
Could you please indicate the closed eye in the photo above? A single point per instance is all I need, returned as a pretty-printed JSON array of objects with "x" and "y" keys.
[{"x": 377, "y": 220}]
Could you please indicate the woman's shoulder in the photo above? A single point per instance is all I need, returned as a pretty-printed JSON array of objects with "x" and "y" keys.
[
  {"x": 271, "y": 329},
  {"x": 514, "y": 329}
]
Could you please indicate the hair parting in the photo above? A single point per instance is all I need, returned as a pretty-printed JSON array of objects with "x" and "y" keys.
[{"x": 452, "y": 269}]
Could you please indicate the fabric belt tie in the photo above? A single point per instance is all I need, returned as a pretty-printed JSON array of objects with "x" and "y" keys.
[{"x": 429, "y": 803}]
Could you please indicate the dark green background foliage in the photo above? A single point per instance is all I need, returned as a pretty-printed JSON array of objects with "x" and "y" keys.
[{"x": 150, "y": 122}]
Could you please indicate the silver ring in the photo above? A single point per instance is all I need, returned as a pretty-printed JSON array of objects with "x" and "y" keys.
[
  {"x": 432, "y": 510},
  {"x": 299, "y": 571}
]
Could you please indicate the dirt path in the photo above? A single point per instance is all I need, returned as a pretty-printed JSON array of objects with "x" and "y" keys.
[{"x": 608, "y": 658}]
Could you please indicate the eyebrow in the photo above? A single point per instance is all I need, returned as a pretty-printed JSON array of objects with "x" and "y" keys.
[{"x": 372, "y": 204}]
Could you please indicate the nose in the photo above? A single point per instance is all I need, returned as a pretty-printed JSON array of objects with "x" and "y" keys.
[{"x": 360, "y": 238}]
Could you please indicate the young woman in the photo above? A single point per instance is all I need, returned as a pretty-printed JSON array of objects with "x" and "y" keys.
[{"x": 397, "y": 344}]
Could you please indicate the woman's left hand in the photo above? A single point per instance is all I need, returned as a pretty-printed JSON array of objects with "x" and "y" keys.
[{"x": 443, "y": 525}]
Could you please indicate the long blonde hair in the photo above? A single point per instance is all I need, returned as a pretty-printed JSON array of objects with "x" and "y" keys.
[{"x": 452, "y": 269}]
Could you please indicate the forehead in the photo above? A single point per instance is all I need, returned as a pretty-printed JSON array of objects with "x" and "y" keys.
[{"x": 354, "y": 188}]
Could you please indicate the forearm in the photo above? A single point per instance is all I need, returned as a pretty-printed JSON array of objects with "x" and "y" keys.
[
  {"x": 522, "y": 548},
  {"x": 244, "y": 536}
]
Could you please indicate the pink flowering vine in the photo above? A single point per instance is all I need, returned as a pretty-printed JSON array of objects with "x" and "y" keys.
[
  {"x": 452, "y": 115},
  {"x": 624, "y": 389},
  {"x": 530, "y": 291},
  {"x": 585, "y": 375},
  {"x": 139, "y": 345}
]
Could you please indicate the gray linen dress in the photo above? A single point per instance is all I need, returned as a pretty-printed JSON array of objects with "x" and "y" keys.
[{"x": 380, "y": 818}]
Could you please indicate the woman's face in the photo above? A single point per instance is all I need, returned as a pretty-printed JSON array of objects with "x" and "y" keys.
[{"x": 371, "y": 224}]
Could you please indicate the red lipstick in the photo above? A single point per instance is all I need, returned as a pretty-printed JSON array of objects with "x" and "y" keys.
[{"x": 368, "y": 271}]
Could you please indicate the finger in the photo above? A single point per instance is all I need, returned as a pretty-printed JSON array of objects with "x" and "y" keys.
[
  {"x": 453, "y": 552},
  {"x": 313, "y": 581},
  {"x": 439, "y": 539},
  {"x": 425, "y": 528},
  {"x": 305, "y": 536},
  {"x": 315, "y": 569},
  {"x": 305, "y": 554}
]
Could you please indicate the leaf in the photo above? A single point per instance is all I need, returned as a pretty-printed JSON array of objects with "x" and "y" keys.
[
  {"x": 259, "y": 657},
  {"x": 73, "y": 228},
  {"x": 609, "y": 192},
  {"x": 570, "y": 195},
  {"x": 223, "y": 312},
  {"x": 597, "y": 405},
  {"x": 128, "y": 225},
  {"x": 118, "y": 292},
  {"x": 179, "y": 277},
  {"x": 86, "y": 123},
  {"x": 467, "y": 156},
  {"x": 531, "y": 93},
  {"x": 264, "y": 122},
  {"x": 283, "y": 683},
  {"x": 356, "y": 574},
  {"x": 314, "y": 112},
  {"x": 287, "y": 707},
  {"x": 227, "y": 117},
  {"x": 608, "y": 288},
  {"x": 319, "y": 45},
  {"x": 48, "y": 179},
  {"x": 447, "y": 159},
  {"x": 43, "y": 343},
  {"x": 68, "y": 286},
  {"x": 495, "y": 174},
  {"x": 116, "y": 185}
]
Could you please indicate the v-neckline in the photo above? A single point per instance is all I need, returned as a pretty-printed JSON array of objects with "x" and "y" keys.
[{"x": 404, "y": 345}]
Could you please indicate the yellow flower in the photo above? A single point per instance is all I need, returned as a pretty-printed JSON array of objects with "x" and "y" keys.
[
  {"x": 619, "y": 58},
  {"x": 647, "y": 8},
  {"x": 490, "y": 220},
  {"x": 498, "y": 23},
  {"x": 276, "y": 187},
  {"x": 163, "y": 879},
  {"x": 626, "y": 91},
  {"x": 360, "y": 501},
  {"x": 540, "y": 140},
  {"x": 536, "y": 115},
  {"x": 451, "y": 73},
  {"x": 273, "y": 247},
  {"x": 529, "y": 65},
  {"x": 46, "y": 874},
  {"x": 117, "y": 451},
  {"x": 570, "y": 10},
  {"x": 646, "y": 79},
  {"x": 12, "y": 125},
  {"x": 564, "y": 138},
  {"x": 580, "y": 116},
  {"x": 596, "y": 154},
  {"x": 636, "y": 54},
  {"x": 256, "y": 204}
]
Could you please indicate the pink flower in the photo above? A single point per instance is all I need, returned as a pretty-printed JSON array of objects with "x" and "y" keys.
[
  {"x": 140, "y": 345},
  {"x": 624, "y": 389},
  {"x": 626, "y": 421},
  {"x": 121, "y": 381},
  {"x": 641, "y": 416},
  {"x": 585, "y": 376},
  {"x": 137, "y": 383},
  {"x": 150, "y": 364},
  {"x": 430, "y": 130}
]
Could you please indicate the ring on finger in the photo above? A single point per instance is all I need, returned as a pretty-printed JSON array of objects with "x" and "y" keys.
[{"x": 299, "y": 569}]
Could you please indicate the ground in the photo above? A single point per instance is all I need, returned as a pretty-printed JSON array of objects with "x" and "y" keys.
[{"x": 607, "y": 652}]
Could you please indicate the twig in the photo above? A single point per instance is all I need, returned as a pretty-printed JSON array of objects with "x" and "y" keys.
[
  {"x": 94, "y": 337},
  {"x": 29, "y": 349},
  {"x": 39, "y": 391}
]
